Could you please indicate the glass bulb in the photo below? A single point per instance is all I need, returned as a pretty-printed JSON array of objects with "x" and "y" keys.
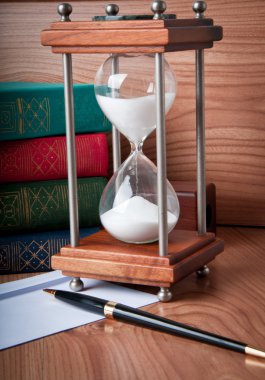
[
  {"x": 125, "y": 91},
  {"x": 128, "y": 206},
  {"x": 127, "y": 97}
]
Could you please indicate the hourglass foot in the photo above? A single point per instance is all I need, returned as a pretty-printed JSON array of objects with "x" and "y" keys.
[
  {"x": 76, "y": 284},
  {"x": 164, "y": 295},
  {"x": 203, "y": 271}
]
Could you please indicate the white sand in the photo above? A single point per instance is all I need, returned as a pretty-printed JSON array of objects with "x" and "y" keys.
[
  {"x": 135, "y": 221},
  {"x": 135, "y": 118}
]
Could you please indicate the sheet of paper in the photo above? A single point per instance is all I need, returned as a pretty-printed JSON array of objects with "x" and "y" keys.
[{"x": 28, "y": 313}]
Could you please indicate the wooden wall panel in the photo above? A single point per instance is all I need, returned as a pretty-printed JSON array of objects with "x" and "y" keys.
[{"x": 235, "y": 93}]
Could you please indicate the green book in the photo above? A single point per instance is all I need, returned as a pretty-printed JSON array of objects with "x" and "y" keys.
[
  {"x": 29, "y": 110},
  {"x": 43, "y": 205}
]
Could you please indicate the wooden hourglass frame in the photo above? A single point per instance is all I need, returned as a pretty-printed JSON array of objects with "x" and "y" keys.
[{"x": 181, "y": 252}]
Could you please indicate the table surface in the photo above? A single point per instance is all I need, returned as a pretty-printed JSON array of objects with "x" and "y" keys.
[{"x": 230, "y": 302}]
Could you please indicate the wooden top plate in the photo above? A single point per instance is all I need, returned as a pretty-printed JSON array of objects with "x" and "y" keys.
[{"x": 143, "y": 36}]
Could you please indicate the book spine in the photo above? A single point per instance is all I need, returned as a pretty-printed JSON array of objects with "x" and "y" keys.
[
  {"x": 45, "y": 158},
  {"x": 32, "y": 252},
  {"x": 44, "y": 205},
  {"x": 37, "y": 110}
]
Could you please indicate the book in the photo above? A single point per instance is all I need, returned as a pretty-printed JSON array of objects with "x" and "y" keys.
[
  {"x": 30, "y": 110},
  {"x": 45, "y": 158},
  {"x": 43, "y": 205},
  {"x": 32, "y": 252}
]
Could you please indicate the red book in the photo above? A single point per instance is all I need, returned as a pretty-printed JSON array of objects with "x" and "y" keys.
[{"x": 45, "y": 158}]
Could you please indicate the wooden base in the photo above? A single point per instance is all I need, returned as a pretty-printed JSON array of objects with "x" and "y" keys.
[{"x": 103, "y": 257}]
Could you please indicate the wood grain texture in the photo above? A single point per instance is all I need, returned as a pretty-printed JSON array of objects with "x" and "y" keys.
[
  {"x": 102, "y": 246},
  {"x": 128, "y": 36},
  {"x": 235, "y": 93},
  {"x": 229, "y": 302},
  {"x": 103, "y": 257}
]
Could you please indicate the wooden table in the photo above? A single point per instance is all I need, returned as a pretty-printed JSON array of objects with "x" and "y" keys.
[{"x": 230, "y": 302}]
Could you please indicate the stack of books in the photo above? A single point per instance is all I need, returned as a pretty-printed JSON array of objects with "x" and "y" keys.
[{"x": 34, "y": 209}]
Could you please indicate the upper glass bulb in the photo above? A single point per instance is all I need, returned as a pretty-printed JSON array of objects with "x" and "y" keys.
[{"x": 125, "y": 91}]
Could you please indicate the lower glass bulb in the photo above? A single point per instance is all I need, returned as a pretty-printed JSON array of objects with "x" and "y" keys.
[{"x": 129, "y": 205}]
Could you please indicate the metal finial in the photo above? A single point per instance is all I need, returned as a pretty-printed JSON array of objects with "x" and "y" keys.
[
  {"x": 64, "y": 11},
  {"x": 158, "y": 8},
  {"x": 199, "y": 7},
  {"x": 112, "y": 9}
]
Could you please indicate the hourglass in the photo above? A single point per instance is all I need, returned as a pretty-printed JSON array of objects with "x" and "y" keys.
[
  {"x": 129, "y": 204},
  {"x": 135, "y": 88}
]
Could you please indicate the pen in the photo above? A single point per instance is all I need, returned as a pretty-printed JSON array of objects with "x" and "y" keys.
[{"x": 113, "y": 310}]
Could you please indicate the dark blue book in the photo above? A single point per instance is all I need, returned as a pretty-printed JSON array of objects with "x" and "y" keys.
[{"x": 32, "y": 252}]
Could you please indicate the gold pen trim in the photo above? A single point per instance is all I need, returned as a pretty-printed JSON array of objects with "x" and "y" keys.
[
  {"x": 109, "y": 308},
  {"x": 51, "y": 291}
]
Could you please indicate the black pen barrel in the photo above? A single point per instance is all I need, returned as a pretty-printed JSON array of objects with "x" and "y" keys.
[
  {"x": 89, "y": 303},
  {"x": 145, "y": 319}
]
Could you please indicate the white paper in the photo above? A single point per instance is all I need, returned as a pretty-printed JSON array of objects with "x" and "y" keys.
[{"x": 28, "y": 313}]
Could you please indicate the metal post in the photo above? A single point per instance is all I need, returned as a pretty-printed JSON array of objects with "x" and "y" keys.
[
  {"x": 200, "y": 135},
  {"x": 64, "y": 11},
  {"x": 116, "y": 145},
  {"x": 113, "y": 10},
  {"x": 161, "y": 153},
  {"x": 164, "y": 294},
  {"x": 199, "y": 7},
  {"x": 71, "y": 152}
]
